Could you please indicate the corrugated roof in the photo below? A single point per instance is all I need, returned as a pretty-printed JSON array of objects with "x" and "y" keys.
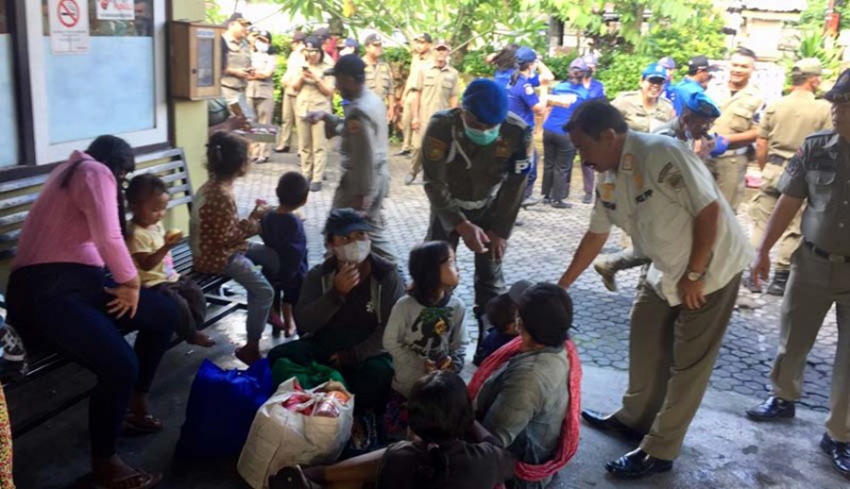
[{"x": 775, "y": 5}]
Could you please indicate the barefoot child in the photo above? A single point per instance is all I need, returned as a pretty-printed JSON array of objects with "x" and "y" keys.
[
  {"x": 283, "y": 232},
  {"x": 219, "y": 238},
  {"x": 425, "y": 330},
  {"x": 151, "y": 246}
]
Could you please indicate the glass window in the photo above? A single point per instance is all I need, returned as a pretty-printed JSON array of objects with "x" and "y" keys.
[
  {"x": 8, "y": 111},
  {"x": 111, "y": 89}
]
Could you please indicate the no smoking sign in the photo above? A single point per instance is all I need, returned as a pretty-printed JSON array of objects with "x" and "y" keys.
[
  {"x": 69, "y": 13},
  {"x": 69, "y": 26}
]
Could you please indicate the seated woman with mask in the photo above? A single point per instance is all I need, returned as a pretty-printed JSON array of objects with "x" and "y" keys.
[{"x": 343, "y": 308}]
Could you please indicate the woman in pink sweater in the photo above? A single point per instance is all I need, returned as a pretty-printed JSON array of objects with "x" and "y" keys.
[{"x": 61, "y": 300}]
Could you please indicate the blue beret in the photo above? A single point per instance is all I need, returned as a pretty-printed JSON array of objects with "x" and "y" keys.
[
  {"x": 525, "y": 55},
  {"x": 487, "y": 100},
  {"x": 654, "y": 70},
  {"x": 699, "y": 103}
]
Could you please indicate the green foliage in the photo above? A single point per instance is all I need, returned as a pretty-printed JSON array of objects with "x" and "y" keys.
[
  {"x": 814, "y": 17},
  {"x": 701, "y": 34},
  {"x": 621, "y": 72},
  {"x": 560, "y": 65},
  {"x": 213, "y": 13},
  {"x": 475, "y": 65}
]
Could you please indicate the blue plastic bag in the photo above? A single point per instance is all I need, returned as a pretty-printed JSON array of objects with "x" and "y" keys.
[{"x": 221, "y": 407}]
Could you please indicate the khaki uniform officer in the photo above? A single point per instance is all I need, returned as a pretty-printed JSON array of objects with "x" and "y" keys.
[
  {"x": 786, "y": 123},
  {"x": 315, "y": 90},
  {"x": 365, "y": 178},
  {"x": 646, "y": 109},
  {"x": 293, "y": 72},
  {"x": 379, "y": 75},
  {"x": 436, "y": 88},
  {"x": 260, "y": 90},
  {"x": 475, "y": 174},
  {"x": 819, "y": 176},
  {"x": 664, "y": 197},
  {"x": 740, "y": 105},
  {"x": 422, "y": 56},
  {"x": 236, "y": 60}
]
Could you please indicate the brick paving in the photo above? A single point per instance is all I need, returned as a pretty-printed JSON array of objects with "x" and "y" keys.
[{"x": 540, "y": 250}]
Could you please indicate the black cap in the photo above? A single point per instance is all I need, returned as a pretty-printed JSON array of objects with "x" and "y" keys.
[
  {"x": 840, "y": 92},
  {"x": 322, "y": 33},
  {"x": 547, "y": 313},
  {"x": 423, "y": 37},
  {"x": 299, "y": 36},
  {"x": 373, "y": 39},
  {"x": 313, "y": 42},
  {"x": 700, "y": 63},
  {"x": 350, "y": 65},
  {"x": 342, "y": 222},
  {"x": 237, "y": 16},
  {"x": 264, "y": 34}
]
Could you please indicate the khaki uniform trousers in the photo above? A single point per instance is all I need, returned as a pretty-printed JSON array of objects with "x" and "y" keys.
[
  {"x": 760, "y": 209},
  {"x": 671, "y": 357},
  {"x": 730, "y": 172},
  {"x": 406, "y": 119},
  {"x": 814, "y": 286},
  {"x": 284, "y": 138},
  {"x": 232, "y": 96},
  {"x": 313, "y": 149},
  {"x": 264, "y": 109}
]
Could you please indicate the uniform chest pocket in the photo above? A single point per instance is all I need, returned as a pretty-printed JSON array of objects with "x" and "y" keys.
[
  {"x": 429, "y": 81},
  {"x": 741, "y": 119},
  {"x": 448, "y": 84},
  {"x": 820, "y": 184}
]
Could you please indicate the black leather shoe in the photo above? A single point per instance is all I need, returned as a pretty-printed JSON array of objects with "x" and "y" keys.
[
  {"x": 839, "y": 453},
  {"x": 777, "y": 285},
  {"x": 772, "y": 409},
  {"x": 404, "y": 152},
  {"x": 612, "y": 424},
  {"x": 636, "y": 464}
]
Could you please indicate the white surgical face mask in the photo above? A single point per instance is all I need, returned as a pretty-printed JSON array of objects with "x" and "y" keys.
[
  {"x": 261, "y": 46},
  {"x": 355, "y": 252}
]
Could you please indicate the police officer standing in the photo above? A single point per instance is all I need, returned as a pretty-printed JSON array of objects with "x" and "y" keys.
[
  {"x": 646, "y": 109},
  {"x": 293, "y": 72},
  {"x": 785, "y": 125},
  {"x": 421, "y": 57},
  {"x": 664, "y": 197},
  {"x": 475, "y": 161},
  {"x": 669, "y": 65},
  {"x": 436, "y": 88},
  {"x": 365, "y": 178},
  {"x": 819, "y": 176},
  {"x": 737, "y": 127},
  {"x": 236, "y": 60},
  {"x": 379, "y": 75}
]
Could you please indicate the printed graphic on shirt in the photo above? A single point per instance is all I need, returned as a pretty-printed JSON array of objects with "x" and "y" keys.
[{"x": 433, "y": 326}]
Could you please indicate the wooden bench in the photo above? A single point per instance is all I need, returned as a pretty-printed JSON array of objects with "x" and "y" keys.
[{"x": 30, "y": 407}]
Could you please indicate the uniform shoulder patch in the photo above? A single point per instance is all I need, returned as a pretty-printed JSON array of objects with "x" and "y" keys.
[
  {"x": 671, "y": 177},
  {"x": 529, "y": 90},
  {"x": 435, "y": 149}
]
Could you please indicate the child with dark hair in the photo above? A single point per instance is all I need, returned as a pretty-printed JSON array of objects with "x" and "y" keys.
[
  {"x": 219, "y": 238},
  {"x": 283, "y": 231},
  {"x": 425, "y": 331},
  {"x": 437, "y": 457},
  {"x": 501, "y": 312},
  {"x": 150, "y": 247}
]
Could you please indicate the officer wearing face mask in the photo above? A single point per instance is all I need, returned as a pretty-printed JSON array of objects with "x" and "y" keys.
[
  {"x": 260, "y": 89},
  {"x": 342, "y": 311},
  {"x": 475, "y": 161}
]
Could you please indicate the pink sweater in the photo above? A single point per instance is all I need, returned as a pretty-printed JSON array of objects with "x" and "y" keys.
[{"x": 77, "y": 224}]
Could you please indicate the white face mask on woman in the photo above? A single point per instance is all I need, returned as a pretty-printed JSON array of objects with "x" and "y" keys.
[
  {"x": 354, "y": 252},
  {"x": 261, "y": 46}
]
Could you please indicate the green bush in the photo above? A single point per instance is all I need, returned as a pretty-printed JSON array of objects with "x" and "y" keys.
[
  {"x": 621, "y": 72},
  {"x": 560, "y": 65}
]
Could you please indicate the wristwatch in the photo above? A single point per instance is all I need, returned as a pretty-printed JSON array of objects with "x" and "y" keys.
[{"x": 694, "y": 276}]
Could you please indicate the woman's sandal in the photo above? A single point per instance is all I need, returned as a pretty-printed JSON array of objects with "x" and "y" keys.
[
  {"x": 146, "y": 424},
  {"x": 137, "y": 480}
]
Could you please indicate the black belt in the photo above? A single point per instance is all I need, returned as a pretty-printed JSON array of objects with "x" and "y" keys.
[{"x": 824, "y": 254}]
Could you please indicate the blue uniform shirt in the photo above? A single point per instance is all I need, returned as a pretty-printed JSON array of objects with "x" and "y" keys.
[
  {"x": 681, "y": 91},
  {"x": 503, "y": 77},
  {"x": 560, "y": 115},
  {"x": 521, "y": 98},
  {"x": 669, "y": 91},
  {"x": 595, "y": 90}
]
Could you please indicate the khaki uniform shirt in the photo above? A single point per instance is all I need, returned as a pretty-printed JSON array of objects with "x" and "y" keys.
[
  {"x": 417, "y": 62},
  {"x": 236, "y": 56},
  {"x": 437, "y": 86},
  {"x": 293, "y": 71},
  {"x": 739, "y": 112},
  {"x": 820, "y": 173},
  {"x": 262, "y": 62},
  {"x": 630, "y": 104},
  {"x": 379, "y": 78},
  {"x": 309, "y": 97},
  {"x": 673, "y": 128},
  {"x": 789, "y": 120},
  {"x": 654, "y": 196},
  {"x": 462, "y": 177}
]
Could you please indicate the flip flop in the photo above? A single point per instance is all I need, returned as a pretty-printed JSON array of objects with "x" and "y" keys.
[
  {"x": 146, "y": 424},
  {"x": 137, "y": 480}
]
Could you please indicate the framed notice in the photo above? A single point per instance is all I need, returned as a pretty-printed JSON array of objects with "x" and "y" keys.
[
  {"x": 69, "y": 26},
  {"x": 116, "y": 9}
]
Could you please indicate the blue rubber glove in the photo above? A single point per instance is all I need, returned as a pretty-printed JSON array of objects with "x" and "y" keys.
[{"x": 721, "y": 144}]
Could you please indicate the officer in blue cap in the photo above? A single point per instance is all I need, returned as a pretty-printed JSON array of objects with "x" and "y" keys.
[
  {"x": 646, "y": 109},
  {"x": 669, "y": 65},
  {"x": 475, "y": 161}
]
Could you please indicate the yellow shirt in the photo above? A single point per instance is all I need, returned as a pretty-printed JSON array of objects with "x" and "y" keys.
[{"x": 149, "y": 240}]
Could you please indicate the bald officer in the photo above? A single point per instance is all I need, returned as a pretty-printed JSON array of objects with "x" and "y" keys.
[
  {"x": 786, "y": 123},
  {"x": 737, "y": 127},
  {"x": 475, "y": 161},
  {"x": 819, "y": 176},
  {"x": 365, "y": 178},
  {"x": 646, "y": 109},
  {"x": 664, "y": 197}
]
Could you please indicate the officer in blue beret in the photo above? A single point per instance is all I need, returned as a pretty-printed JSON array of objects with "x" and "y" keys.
[
  {"x": 475, "y": 161},
  {"x": 693, "y": 125}
]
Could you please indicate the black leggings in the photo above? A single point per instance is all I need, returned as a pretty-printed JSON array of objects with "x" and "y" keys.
[
  {"x": 558, "y": 156},
  {"x": 61, "y": 307}
]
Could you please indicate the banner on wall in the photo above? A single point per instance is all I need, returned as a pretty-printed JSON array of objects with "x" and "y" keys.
[
  {"x": 69, "y": 26},
  {"x": 116, "y": 9}
]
